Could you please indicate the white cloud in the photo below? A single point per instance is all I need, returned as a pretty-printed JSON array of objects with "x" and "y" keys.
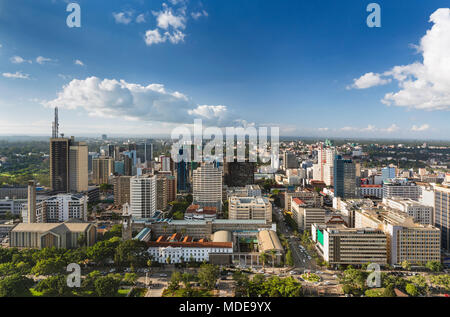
[
  {"x": 166, "y": 19},
  {"x": 372, "y": 128},
  {"x": 119, "y": 99},
  {"x": 123, "y": 17},
  {"x": 19, "y": 60},
  {"x": 392, "y": 128},
  {"x": 199, "y": 14},
  {"x": 323, "y": 129},
  {"x": 16, "y": 75},
  {"x": 78, "y": 62},
  {"x": 140, "y": 18},
  {"x": 426, "y": 84},
  {"x": 154, "y": 37},
  {"x": 421, "y": 128},
  {"x": 368, "y": 80},
  {"x": 41, "y": 60}
]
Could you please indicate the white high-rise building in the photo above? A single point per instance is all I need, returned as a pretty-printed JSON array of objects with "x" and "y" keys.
[
  {"x": 143, "y": 196},
  {"x": 207, "y": 186}
]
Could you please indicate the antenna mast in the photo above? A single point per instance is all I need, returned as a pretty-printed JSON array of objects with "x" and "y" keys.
[{"x": 55, "y": 125}]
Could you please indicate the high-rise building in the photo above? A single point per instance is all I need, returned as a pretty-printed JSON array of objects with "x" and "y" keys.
[
  {"x": 289, "y": 160},
  {"x": 238, "y": 174},
  {"x": 401, "y": 188},
  {"x": 143, "y": 196},
  {"x": 387, "y": 173},
  {"x": 102, "y": 169},
  {"x": 182, "y": 173},
  {"x": 344, "y": 178},
  {"x": 144, "y": 152},
  {"x": 78, "y": 166},
  {"x": 442, "y": 213},
  {"x": 31, "y": 205},
  {"x": 207, "y": 189},
  {"x": 166, "y": 163},
  {"x": 121, "y": 190},
  {"x": 59, "y": 164},
  {"x": 162, "y": 192}
]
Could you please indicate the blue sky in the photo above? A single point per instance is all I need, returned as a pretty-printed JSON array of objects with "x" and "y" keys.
[{"x": 145, "y": 67}]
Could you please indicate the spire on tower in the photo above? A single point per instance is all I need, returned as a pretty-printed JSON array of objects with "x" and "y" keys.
[{"x": 55, "y": 125}]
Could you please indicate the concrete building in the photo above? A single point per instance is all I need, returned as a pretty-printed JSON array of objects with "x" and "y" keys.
[
  {"x": 256, "y": 208},
  {"x": 442, "y": 213},
  {"x": 143, "y": 196},
  {"x": 78, "y": 166},
  {"x": 121, "y": 190},
  {"x": 407, "y": 240},
  {"x": 195, "y": 212},
  {"x": 344, "y": 178},
  {"x": 399, "y": 187},
  {"x": 421, "y": 213},
  {"x": 338, "y": 244},
  {"x": 289, "y": 160},
  {"x": 370, "y": 191},
  {"x": 13, "y": 192},
  {"x": 47, "y": 235},
  {"x": 207, "y": 189},
  {"x": 59, "y": 164},
  {"x": 60, "y": 208},
  {"x": 102, "y": 170},
  {"x": 305, "y": 216},
  {"x": 177, "y": 248},
  {"x": 312, "y": 198},
  {"x": 269, "y": 243}
]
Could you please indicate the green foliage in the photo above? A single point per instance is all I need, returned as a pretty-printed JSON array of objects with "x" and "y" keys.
[
  {"x": 103, "y": 250},
  {"x": 106, "y": 286},
  {"x": 175, "y": 281},
  {"x": 48, "y": 266},
  {"x": 374, "y": 292},
  {"x": 289, "y": 258},
  {"x": 15, "y": 286},
  {"x": 412, "y": 290},
  {"x": 208, "y": 275},
  {"x": 442, "y": 281},
  {"x": 131, "y": 253},
  {"x": 434, "y": 266},
  {"x": 406, "y": 265},
  {"x": 115, "y": 231},
  {"x": 389, "y": 291},
  {"x": 54, "y": 286},
  {"x": 130, "y": 278},
  {"x": 272, "y": 287}
]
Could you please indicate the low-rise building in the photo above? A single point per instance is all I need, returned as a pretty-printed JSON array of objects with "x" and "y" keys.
[
  {"x": 338, "y": 244},
  {"x": 47, "y": 235},
  {"x": 305, "y": 215},
  {"x": 257, "y": 208},
  {"x": 421, "y": 213},
  {"x": 195, "y": 212}
]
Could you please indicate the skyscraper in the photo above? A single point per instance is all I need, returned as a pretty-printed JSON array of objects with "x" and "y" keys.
[
  {"x": 121, "y": 190},
  {"x": 387, "y": 173},
  {"x": 344, "y": 178},
  {"x": 442, "y": 213},
  {"x": 182, "y": 174},
  {"x": 143, "y": 196},
  {"x": 102, "y": 169},
  {"x": 239, "y": 174},
  {"x": 78, "y": 166},
  {"x": 59, "y": 164},
  {"x": 31, "y": 205},
  {"x": 207, "y": 181},
  {"x": 289, "y": 160}
]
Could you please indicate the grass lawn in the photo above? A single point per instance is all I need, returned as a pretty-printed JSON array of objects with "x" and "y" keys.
[
  {"x": 182, "y": 292},
  {"x": 123, "y": 292},
  {"x": 35, "y": 292}
]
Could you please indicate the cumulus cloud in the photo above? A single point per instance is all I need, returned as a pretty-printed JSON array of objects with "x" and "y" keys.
[
  {"x": 368, "y": 80},
  {"x": 16, "y": 75},
  {"x": 166, "y": 18},
  {"x": 78, "y": 62},
  {"x": 421, "y": 128},
  {"x": 113, "y": 98},
  {"x": 424, "y": 84},
  {"x": 123, "y": 17},
  {"x": 19, "y": 60}
]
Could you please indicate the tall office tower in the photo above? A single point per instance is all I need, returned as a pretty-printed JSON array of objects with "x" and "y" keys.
[
  {"x": 144, "y": 152},
  {"x": 325, "y": 162},
  {"x": 387, "y": 172},
  {"x": 143, "y": 196},
  {"x": 78, "y": 166},
  {"x": 166, "y": 163},
  {"x": 103, "y": 168},
  {"x": 344, "y": 178},
  {"x": 239, "y": 174},
  {"x": 442, "y": 213},
  {"x": 91, "y": 156},
  {"x": 121, "y": 190},
  {"x": 104, "y": 137},
  {"x": 289, "y": 160},
  {"x": 59, "y": 164},
  {"x": 127, "y": 166},
  {"x": 162, "y": 191},
  {"x": 207, "y": 181},
  {"x": 182, "y": 174},
  {"x": 31, "y": 205}
]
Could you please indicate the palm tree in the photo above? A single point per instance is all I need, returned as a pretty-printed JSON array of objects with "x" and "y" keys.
[
  {"x": 272, "y": 253},
  {"x": 263, "y": 257}
]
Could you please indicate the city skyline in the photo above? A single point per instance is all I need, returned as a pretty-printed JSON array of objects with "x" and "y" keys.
[{"x": 157, "y": 66}]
